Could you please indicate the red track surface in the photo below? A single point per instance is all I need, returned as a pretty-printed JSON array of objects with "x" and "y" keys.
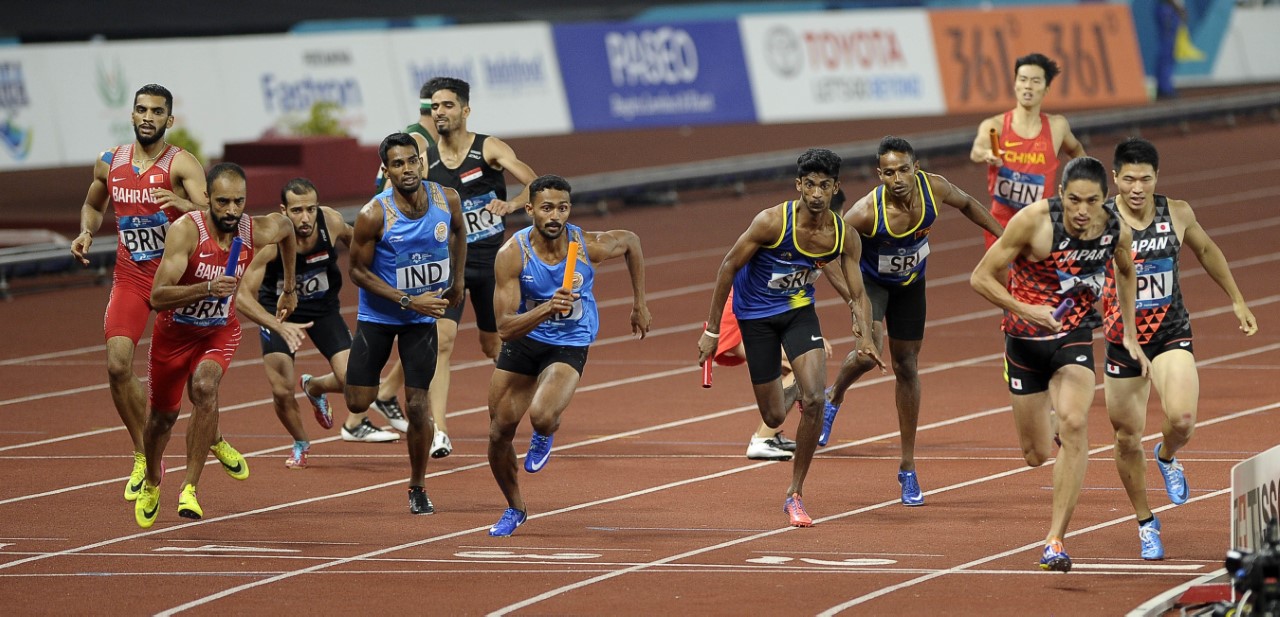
[{"x": 648, "y": 504}]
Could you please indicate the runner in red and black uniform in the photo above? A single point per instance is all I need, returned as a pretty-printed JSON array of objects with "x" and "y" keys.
[
  {"x": 197, "y": 332},
  {"x": 1024, "y": 170},
  {"x": 1161, "y": 227},
  {"x": 1059, "y": 249},
  {"x": 148, "y": 184}
]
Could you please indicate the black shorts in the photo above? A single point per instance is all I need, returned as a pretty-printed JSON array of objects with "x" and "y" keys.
[
  {"x": 796, "y": 331},
  {"x": 1029, "y": 363},
  {"x": 529, "y": 357},
  {"x": 1119, "y": 365},
  {"x": 479, "y": 286},
  {"x": 329, "y": 334},
  {"x": 901, "y": 306},
  {"x": 372, "y": 347}
]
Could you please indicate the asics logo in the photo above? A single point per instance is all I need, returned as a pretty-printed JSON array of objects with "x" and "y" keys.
[
  {"x": 1081, "y": 358},
  {"x": 1185, "y": 344}
]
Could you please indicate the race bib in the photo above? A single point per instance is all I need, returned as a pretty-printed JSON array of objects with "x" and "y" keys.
[
  {"x": 790, "y": 281},
  {"x": 1155, "y": 283},
  {"x": 311, "y": 286},
  {"x": 902, "y": 260},
  {"x": 416, "y": 273},
  {"x": 204, "y": 313},
  {"x": 143, "y": 236},
  {"x": 480, "y": 223},
  {"x": 1090, "y": 282},
  {"x": 1017, "y": 189}
]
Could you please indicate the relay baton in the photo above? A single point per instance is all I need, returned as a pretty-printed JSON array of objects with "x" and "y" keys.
[
  {"x": 706, "y": 366},
  {"x": 233, "y": 258},
  {"x": 1063, "y": 308},
  {"x": 995, "y": 142},
  {"x": 570, "y": 262}
]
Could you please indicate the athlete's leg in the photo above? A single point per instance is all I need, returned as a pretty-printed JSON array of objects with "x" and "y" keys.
[
  {"x": 1075, "y": 395},
  {"x": 202, "y": 429},
  {"x": 490, "y": 344},
  {"x": 126, "y": 389},
  {"x": 447, "y": 331},
  {"x": 335, "y": 381},
  {"x": 810, "y": 371},
  {"x": 1127, "y": 408},
  {"x": 906, "y": 356},
  {"x": 1178, "y": 383},
  {"x": 280, "y": 375},
  {"x": 510, "y": 395},
  {"x": 855, "y": 365},
  {"x": 418, "y": 354}
]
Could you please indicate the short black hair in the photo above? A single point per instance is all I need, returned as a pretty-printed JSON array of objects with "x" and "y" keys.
[
  {"x": 818, "y": 160},
  {"x": 297, "y": 186},
  {"x": 1051, "y": 68},
  {"x": 396, "y": 139},
  {"x": 1085, "y": 168},
  {"x": 223, "y": 169},
  {"x": 156, "y": 90},
  {"x": 549, "y": 182},
  {"x": 1136, "y": 151},
  {"x": 457, "y": 86},
  {"x": 894, "y": 144}
]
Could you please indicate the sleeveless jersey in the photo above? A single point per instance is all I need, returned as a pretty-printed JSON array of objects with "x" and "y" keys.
[
  {"x": 1075, "y": 268},
  {"x": 319, "y": 279},
  {"x": 899, "y": 258},
  {"x": 416, "y": 128},
  {"x": 477, "y": 184},
  {"x": 412, "y": 256},
  {"x": 1159, "y": 298},
  {"x": 1030, "y": 168},
  {"x": 539, "y": 282},
  {"x": 780, "y": 277},
  {"x": 140, "y": 222},
  {"x": 208, "y": 262}
]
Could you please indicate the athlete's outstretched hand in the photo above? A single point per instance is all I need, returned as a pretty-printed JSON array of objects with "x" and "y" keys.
[
  {"x": 501, "y": 207},
  {"x": 640, "y": 320},
  {"x": 1135, "y": 351},
  {"x": 80, "y": 247},
  {"x": 1248, "y": 324},
  {"x": 868, "y": 349},
  {"x": 292, "y": 333}
]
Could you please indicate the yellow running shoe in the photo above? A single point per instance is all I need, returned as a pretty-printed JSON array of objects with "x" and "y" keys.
[
  {"x": 147, "y": 505},
  {"x": 232, "y": 461},
  {"x": 188, "y": 507},
  {"x": 136, "y": 477}
]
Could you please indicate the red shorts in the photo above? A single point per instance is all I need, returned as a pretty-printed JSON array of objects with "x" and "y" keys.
[
  {"x": 176, "y": 351},
  {"x": 730, "y": 337},
  {"x": 130, "y": 301},
  {"x": 1002, "y": 214}
]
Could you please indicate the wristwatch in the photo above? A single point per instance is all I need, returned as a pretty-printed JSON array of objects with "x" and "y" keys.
[{"x": 405, "y": 301}]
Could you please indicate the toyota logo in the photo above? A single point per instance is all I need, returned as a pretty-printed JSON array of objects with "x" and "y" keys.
[{"x": 783, "y": 51}]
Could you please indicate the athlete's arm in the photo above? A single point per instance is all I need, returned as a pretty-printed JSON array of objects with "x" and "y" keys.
[
  {"x": 365, "y": 236},
  {"x": 1126, "y": 292},
  {"x": 971, "y": 208},
  {"x": 764, "y": 230},
  {"x": 179, "y": 244},
  {"x": 981, "y": 150},
  {"x": 95, "y": 205},
  {"x": 247, "y": 299},
  {"x": 457, "y": 248},
  {"x": 1028, "y": 227},
  {"x": 850, "y": 253},
  {"x": 277, "y": 229},
  {"x": 500, "y": 156},
  {"x": 506, "y": 296},
  {"x": 604, "y": 245},
  {"x": 339, "y": 230},
  {"x": 1206, "y": 250},
  {"x": 1070, "y": 146},
  {"x": 189, "y": 185}
]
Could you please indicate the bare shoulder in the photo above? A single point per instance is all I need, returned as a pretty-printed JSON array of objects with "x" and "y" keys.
[
  {"x": 1059, "y": 123},
  {"x": 1181, "y": 211}
]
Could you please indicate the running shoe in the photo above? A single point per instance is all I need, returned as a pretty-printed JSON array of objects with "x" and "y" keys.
[
  {"x": 419, "y": 503},
  {"x": 147, "y": 505},
  {"x": 1149, "y": 536},
  {"x": 368, "y": 433},
  {"x": 136, "y": 477},
  {"x": 188, "y": 507},
  {"x": 1175, "y": 481},
  {"x": 911, "y": 493},
  {"x": 829, "y": 412},
  {"x": 766, "y": 449},
  {"x": 539, "y": 451},
  {"x": 298, "y": 458},
  {"x": 440, "y": 445},
  {"x": 511, "y": 518},
  {"x": 318, "y": 403},
  {"x": 782, "y": 443},
  {"x": 1055, "y": 557},
  {"x": 796, "y": 514},
  {"x": 232, "y": 461},
  {"x": 390, "y": 409}
]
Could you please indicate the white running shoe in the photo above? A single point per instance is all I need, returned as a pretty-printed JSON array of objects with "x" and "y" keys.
[
  {"x": 368, "y": 433},
  {"x": 440, "y": 445},
  {"x": 766, "y": 449},
  {"x": 390, "y": 409}
]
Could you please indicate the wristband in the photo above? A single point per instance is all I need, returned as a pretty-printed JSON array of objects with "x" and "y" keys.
[
  {"x": 289, "y": 292},
  {"x": 711, "y": 334},
  {"x": 208, "y": 287}
]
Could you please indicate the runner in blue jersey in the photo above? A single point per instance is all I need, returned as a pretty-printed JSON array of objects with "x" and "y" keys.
[
  {"x": 894, "y": 220},
  {"x": 772, "y": 268},
  {"x": 407, "y": 254},
  {"x": 546, "y": 330}
]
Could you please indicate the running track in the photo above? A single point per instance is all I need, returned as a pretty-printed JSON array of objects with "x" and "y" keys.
[{"x": 648, "y": 504}]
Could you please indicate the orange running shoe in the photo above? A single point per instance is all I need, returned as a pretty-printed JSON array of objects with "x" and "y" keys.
[{"x": 795, "y": 511}]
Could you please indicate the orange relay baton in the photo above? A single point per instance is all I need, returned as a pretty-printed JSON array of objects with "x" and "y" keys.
[
  {"x": 706, "y": 366},
  {"x": 995, "y": 142},
  {"x": 570, "y": 262}
]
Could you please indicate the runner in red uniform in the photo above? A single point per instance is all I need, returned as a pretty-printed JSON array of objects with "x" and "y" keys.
[
  {"x": 148, "y": 183},
  {"x": 1025, "y": 169},
  {"x": 197, "y": 332}
]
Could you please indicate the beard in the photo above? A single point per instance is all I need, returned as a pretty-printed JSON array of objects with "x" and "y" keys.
[
  {"x": 226, "y": 224},
  {"x": 551, "y": 235},
  {"x": 147, "y": 141}
]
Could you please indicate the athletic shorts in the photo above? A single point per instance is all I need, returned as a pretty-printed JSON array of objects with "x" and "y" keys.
[
  {"x": 1002, "y": 214},
  {"x": 529, "y": 357},
  {"x": 1030, "y": 364},
  {"x": 901, "y": 306},
  {"x": 372, "y": 346},
  {"x": 176, "y": 351},
  {"x": 1119, "y": 365},
  {"x": 129, "y": 304},
  {"x": 730, "y": 336},
  {"x": 329, "y": 333},
  {"x": 796, "y": 331},
  {"x": 480, "y": 284}
]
